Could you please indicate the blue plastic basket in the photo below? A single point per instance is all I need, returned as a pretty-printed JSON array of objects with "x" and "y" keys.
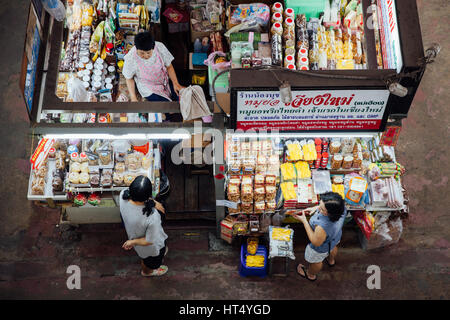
[{"x": 245, "y": 271}]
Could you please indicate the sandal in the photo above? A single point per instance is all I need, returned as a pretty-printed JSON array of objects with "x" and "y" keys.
[
  {"x": 162, "y": 270},
  {"x": 306, "y": 274},
  {"x": 329, "y": 264}
]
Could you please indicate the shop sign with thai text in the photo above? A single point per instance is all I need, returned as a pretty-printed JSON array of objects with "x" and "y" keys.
[{"x": 327, "y": 110}]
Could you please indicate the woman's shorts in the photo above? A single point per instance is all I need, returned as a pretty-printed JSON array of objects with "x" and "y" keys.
[
  {"x": 155, "y": 262},
  {"x": 312, "y": 256}
]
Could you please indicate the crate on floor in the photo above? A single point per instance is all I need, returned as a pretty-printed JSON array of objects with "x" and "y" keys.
[{"x": 245, "y": 271}]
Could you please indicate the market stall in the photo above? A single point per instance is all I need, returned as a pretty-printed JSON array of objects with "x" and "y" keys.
[{"x": 322, "y": 69}]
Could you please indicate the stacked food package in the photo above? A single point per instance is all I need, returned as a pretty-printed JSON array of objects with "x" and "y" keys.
[
  {"x": 77, "y": 165},
  {"x": 253, "y": 169}
]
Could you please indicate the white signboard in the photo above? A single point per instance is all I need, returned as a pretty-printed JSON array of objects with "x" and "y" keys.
[{"x": 331, "y": 110}]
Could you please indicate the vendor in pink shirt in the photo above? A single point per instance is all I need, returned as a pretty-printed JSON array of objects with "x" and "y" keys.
[{"x": 148, "y": 65}]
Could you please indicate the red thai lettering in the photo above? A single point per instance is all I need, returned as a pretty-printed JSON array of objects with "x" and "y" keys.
[{"x": 298, "y": 101}]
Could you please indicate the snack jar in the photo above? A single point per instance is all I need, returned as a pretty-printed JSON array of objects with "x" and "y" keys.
[
  {"x": 289, "y": 60},
  {"x": 277, "y": 7},
  {"x": 277, "y": 17},
  {"x": 289, "y": 13}
]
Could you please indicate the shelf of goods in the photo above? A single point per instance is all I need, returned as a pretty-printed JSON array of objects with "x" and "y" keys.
[
  {"x": 75, "y": 166},
  {"x": 276, "y": 175}
]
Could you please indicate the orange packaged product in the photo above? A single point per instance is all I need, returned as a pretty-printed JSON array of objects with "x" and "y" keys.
[
  {"x": 234, "y": 211},
  {"x": 247, "y": 180},
  {"x": 271, "y": 206}
]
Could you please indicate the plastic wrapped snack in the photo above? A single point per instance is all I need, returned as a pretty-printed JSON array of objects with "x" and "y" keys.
[
  {"x": 247, "y": 180},
  {"x": 119, "y": 167},
  {"x": 259, "y": 194},
  {"x": 60, "y": 163},
  {"x": 235, "y": 180},
  {"x": 271, "y": 180},
  {"x": 94, "y": 180},
  {"x": 41, "y": 172},
  {"x": 271, "y": 193},
  {"x": 105, "y": 157},
  {"x": 129, "y": 178},
  {"x": 235, "y": 166},
  {"x": 118, "y": 178},
  {"x": 288, "y": 190},
  {"x": 259, "y": 207},
  {"x": 255, "y": 13},
  {"x": 259, "y": 179},
  {"x": 287, "y": 171},
  {"x": 271, "y": 205},
  {"x": 247, "y": 207},
  {"x": 281, "y": 242},
  {"x": 249, "y": 165},
  {"x": 246, "y": 193},
  {"x": 295, "y": 152},
  {"x": 37, "y": 187},
  {"x": 233, "y": 193}
]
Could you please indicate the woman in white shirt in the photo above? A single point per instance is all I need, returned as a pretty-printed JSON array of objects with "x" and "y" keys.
[
  {"x": 142, "y": 222},
  {"x": 149, "y": 65}
]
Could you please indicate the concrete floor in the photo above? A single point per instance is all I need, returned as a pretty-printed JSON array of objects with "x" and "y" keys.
[{"x": 34, "y": 253}]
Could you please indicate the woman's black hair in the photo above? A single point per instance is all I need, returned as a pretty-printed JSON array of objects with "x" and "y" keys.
[
  {"x": 144, "y": 41},
  {"x": 141, "y": 190},
  {"x": 334, "y": 204}
]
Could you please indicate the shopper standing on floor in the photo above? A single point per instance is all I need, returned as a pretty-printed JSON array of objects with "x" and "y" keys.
[
  {"x": 324, "y": 230},
  {"x": 142, "y": 223}
]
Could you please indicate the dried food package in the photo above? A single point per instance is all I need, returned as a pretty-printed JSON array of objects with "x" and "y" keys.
[
  {"x": 235, "y": 166},
  {"x": 259, "y": 179},
  {"x": 271, "y": 193},
  {"x": 233, "y": 193},
  {"x": 271, "y": 180},
  {"x": 247, "y": 207},
  {"x": 246, "y": 193},
  {"x": 119, "y": 167},
  {"x": 249, "y": 165},
  {"x": 259, "y": 194},
  {"x": 247, "y": 180},
  {"x": 271, "y": 205},
  {"x": 259, "y": 207},
  {"x": 118, "y": 178},
  {"x": 105, "y": 157}
]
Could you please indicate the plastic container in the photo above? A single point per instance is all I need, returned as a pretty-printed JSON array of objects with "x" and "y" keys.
[
  {"x": 245, "y": 271},
  {"x": 311, "y": 8},
  {"x": 221, "y": 81}
]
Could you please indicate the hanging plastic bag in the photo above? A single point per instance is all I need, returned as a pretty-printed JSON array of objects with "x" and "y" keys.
[
  {"x": 55, "y": 8},
  {"x": 76, "y": 91},
  {"x": 365, "y": 221},
  {"x": 217, "y": 61}
]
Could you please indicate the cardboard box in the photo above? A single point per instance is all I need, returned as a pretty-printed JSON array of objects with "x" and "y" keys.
[{"x": 226, "y": 229}]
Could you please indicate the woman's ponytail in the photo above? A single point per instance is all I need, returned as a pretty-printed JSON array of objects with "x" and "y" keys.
[
  {"x": 148, "y": 207},
  {"x": 126, "y": 195}
]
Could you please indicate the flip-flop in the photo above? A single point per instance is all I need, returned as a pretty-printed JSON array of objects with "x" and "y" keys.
[
  {"x": 329, "y": 264},
  {"x": 162, "y": 270},
  {"x": 305, "y": 275}
]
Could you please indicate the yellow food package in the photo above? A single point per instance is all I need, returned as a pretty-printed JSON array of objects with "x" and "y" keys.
[
  {"x": 338, "y": 188},
  {"x": 288, "y": 171},
  {"x": 303, "y": 171},
  {"x": 288, "y": 190},
  {"x": 345, "y": 64},
  {"x": 281, "y": 234},
  {"x": 254, "y": 261},
  {"x": 295, "y": 152}
]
